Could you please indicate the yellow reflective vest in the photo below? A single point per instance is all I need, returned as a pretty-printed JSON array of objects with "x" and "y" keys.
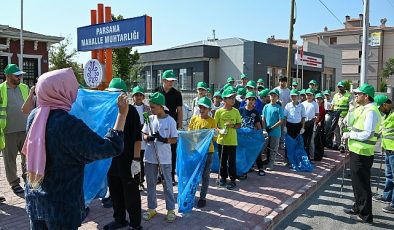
[
  {"x": 3, "y": 107},
  {"x": 388, "y": 132},
  {"x": 341, "y": 103},
  {"x": 365, "y": 147}
]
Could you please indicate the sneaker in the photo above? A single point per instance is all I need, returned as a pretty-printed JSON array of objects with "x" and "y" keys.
[
  {"x": 261, "y": 172},
  {"x": 231, "y": 185},
  {"x": 243, "y": 176},
  {"x": 2, "y": 199},
  {"x": 149, "y": 214},
  {"x": 388, "y": 209},
  {"x": 201, "y": 203},
  {"x": 170, "y": 216},
  {"x": 221, "y": 182},
  {"x": 135, "y": 228},
  {"x": 380, "y": 198},
  {"x": 115, "y": 225},
  {"x": 17, "y": 189}
]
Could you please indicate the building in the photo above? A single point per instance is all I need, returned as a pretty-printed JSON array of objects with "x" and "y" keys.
[
  {"x": 35, "y": 52},
  {"x": 349, "y": 41},
  {"x": 214, "y": 60}
]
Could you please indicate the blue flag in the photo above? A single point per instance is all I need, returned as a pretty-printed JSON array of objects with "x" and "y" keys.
[
  {"x": 98, "y": 110},
  {"x": 250, "y": 145},
  {"x": 192, "y": 155}
]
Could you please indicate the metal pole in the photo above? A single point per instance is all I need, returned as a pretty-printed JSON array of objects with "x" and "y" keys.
[
  {"x": 290, "y": 48},
  {"x": 364, "y": 54},
  {"x": 21, "y": 39}
]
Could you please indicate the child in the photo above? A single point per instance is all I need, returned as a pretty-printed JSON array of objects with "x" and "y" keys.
[
  {"x": 272, "y": 119},
  {"x": 294, "y": 116},
  {"x": 311, "y": 112},
  {"x": 327, "y": 100},
  {"x": 202, "y": 89},
  {"x": 159, "y": 134},
  {"x": 204, "y": 121},
  {"x": 217, "y": 102},
  {"x": 228, "y": 120},
  {"x": 319, "y": 133}
]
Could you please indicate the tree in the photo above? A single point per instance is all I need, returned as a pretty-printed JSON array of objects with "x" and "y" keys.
[
  {"x": 388, "y": 70},
  {"x": 124, "y": 62},
  {"x": 61, "y": 56}
]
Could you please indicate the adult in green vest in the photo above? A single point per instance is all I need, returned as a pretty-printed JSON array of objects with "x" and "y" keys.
[
  {"x": 13, "y": 94},
  {"x": 341, "y": 101},
  {"x": 386, "y": 108},
  {"x": 361, "y": 143}
]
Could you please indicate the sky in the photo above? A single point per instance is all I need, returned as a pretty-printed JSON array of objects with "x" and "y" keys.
[{"x": 176, "y": 22}]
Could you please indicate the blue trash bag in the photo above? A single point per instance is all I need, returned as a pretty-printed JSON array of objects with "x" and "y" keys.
[
  {"x": 98, "y": 109},
  {"x": 297, "y": 155},
  {"x": 250, "y": 144},
  {"x": 192, "y": 155}
]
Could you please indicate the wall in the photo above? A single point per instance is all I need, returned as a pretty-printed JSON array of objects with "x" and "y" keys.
[{"x": 230, "y": 62}]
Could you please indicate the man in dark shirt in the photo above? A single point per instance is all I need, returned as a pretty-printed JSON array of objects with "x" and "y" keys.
[{"x": 174, "y": 104}]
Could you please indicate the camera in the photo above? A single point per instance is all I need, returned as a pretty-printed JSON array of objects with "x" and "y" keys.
[{"x": 342, "y": 148}]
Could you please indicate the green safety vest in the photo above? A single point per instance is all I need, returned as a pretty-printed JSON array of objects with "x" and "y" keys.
[
  {"x": 341, "y": 103},
  {"x": 3, "y": 107},
  {"x": 388, "y": 132},
  {"x": 365, "y": 147}
]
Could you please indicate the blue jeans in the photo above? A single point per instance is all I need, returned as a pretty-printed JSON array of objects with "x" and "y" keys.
[
  {"x": 389, "y": 185},
  {"x": 151, "y": 172},
  {"x": 47, "y": 225}
]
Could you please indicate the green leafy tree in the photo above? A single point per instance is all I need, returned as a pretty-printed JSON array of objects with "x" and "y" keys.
[
  {"x": 388, "y": 70},
  {"x": 62, "y": 56}
]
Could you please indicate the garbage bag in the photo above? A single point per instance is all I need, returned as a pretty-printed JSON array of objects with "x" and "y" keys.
[
  {"x": 296, "y": 154},
  {"x": 192, "y": 155},
  {"x": 98, "y": 110},
  {"x": 330, "y": 123}
]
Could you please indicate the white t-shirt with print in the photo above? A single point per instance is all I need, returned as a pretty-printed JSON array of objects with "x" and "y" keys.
[
  {"x": 167, "y": 129},
  {"x": 311, "y": 109}
]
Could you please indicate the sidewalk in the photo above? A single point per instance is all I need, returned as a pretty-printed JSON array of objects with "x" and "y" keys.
[{"x": 256, "y": 203}]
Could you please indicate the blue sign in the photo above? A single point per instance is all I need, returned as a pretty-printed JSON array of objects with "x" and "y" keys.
[{"x": 128, "y": 32}]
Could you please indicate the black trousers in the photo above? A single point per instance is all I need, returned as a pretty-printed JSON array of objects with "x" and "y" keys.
[
  {"x": 227, "y": 155},
  {"x": 142, "y": 164},
  {"x": 125, "y": 195},
  {"x": 308, "y": 135},
  {"x": 293, "y": 129},
  {"x": 173, "y": 160},
  {"x": 360, "y": 167}
]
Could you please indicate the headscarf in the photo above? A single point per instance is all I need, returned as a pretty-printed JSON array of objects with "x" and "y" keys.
[{"x": 55, "y": 90}]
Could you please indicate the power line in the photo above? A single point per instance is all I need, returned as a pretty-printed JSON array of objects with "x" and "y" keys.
[
  {"x": 391, "y": 4},
  {"x": 340, "y": 22}
]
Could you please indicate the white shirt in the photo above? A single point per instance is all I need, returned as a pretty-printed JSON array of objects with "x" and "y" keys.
[
  {"x": 294, "y": 113},
  {"x": 167, "y": 129},
  {"x": 327, "y": 105},
  {"x": 140, "y": 110},
  {"x": 371, "y": 120},
  {"x": 311, "y": 109},
  {"x": 284, "y": 95}
]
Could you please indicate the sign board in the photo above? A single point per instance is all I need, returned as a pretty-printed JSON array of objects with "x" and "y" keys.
[
  {"x": 127, "y": 32},
  {"x": 93, "y": 73},
  {"x": 374, "y": 39},
  {"x": 307, "y": 60}
]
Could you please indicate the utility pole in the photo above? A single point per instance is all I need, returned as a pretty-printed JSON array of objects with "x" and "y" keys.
[
  {"x": 21, "y": 39},
  {"x": 364, "y": 52},
  {"x": 290, "y": 48}
]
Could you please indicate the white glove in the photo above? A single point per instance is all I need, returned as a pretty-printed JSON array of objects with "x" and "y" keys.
[
  {"x": 135, "y": 168},
  {"x": 285, "y": 129},
  {"x": 302, "y": 131},
  {"x": 265, "y": 133},
  {"x": 223, "y": 131},
  {"x": 345, "y": 136}
]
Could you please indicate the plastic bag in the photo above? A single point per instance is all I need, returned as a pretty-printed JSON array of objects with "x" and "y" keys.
[
  {"x": 296, "y": 154},
  {"x": 98, "y": 110}
]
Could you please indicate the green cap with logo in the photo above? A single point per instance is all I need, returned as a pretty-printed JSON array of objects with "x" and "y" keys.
[
  {"x": 217, "y": 94},
  {"x": 341, "y": 84},
  {"x": 230, "y": 79},
  {"x": 169, "y": 75},
  {"x": 302, "y": 92},
  {"x": 310, "y": 91},
  {"x": 117, "y": 84},
  {"x": 260, "y": 80},
  {"x": 313, "y": 82},
  {"x": 380, "y": 99},
  {"x": 251, "y": 84},
  {"x": 241, "y": 91},
  {"x": 366, "y": 89},
  {"x": 204, "y": 101},
  {"x": 137, "y": 89},
  {"x": 327, "y": 92},
  {"x": 319, "y": 95},
  {"x": 251, "y": 94},
  {"x": 157, "y": 98},
  {"x": 243, "y": 76},
  {"x": 274, "y": 91},
  {"x": 294, "y": 83},
  {"x": 202, "y": 85},
  {"x": 263, "y": 93},
  {"x": 228, "y": 92},
  {"x": 13, "y": 69},
  {"x": 294, "y": 92}
]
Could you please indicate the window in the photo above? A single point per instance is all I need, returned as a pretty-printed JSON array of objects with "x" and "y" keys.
[
  {"x": 148, "y": 80},
  {"x": 3, "y": 64},
  {"x": 30, "y": 66},
  {"x": 185, "y": 80},
  {"x": 197, "y": 77},
  {"x": 333, "y": 40}
]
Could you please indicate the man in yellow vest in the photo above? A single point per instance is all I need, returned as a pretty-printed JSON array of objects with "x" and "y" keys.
[
  {"x": 361, "y": 143},
  {"x": 386, "y": 107},
  {"x": 13, "y": 94},
  {"x": 341, "y": 101}
]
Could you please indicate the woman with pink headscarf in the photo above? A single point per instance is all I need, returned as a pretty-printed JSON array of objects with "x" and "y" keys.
[{"x": 57, "y": 147}]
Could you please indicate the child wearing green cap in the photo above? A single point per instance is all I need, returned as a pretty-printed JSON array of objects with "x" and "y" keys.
[
  {"x": 217, "y": 102},
  {"x": 204, "y": 121},
  {"x": 202, "y": 90},
  {"x": 159, "y": 134}
]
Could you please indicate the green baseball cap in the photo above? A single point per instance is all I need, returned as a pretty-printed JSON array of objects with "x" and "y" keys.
[
  {"x": 13, "y": 69},
  {"x": 260, "y": 80},
  {"x": 230, "y": 79},
  {"x": 341, "y": 84},
  {"x": 302, "y": 92},
  {"x": 310, "y": 91},
  {"x": 228, "y": 92},
  {"x": 169, "y": 75},
  {"x": 366, "y": 89},
  {"x": 243, "y": 76},
  {"x": 157, "y": 98},
  {"x": 137, "y": 89},
  {"x": 327, "y": 92},
  {"x": 217, "y": 94},
  {"x": 319, "y": 95},
  {"x": 264, "y": 92},
  {"x": 294, "y": 83},
  {"x": 251, "y": 94},
  {"x": 204, "y": 101},
  {"x": 274, "y": 91},
  {"x": 251, "y": 83},
  {"x": 260, "y": 87},
  {"x": 313, "y": 82},
  {"x": 380, "y": 99},
  {"x": 202, "y": 85},
  {"x": 294, "y": 92},
  {"x": 117, "y": 84},
  {"x": 241, "y": 91}
]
